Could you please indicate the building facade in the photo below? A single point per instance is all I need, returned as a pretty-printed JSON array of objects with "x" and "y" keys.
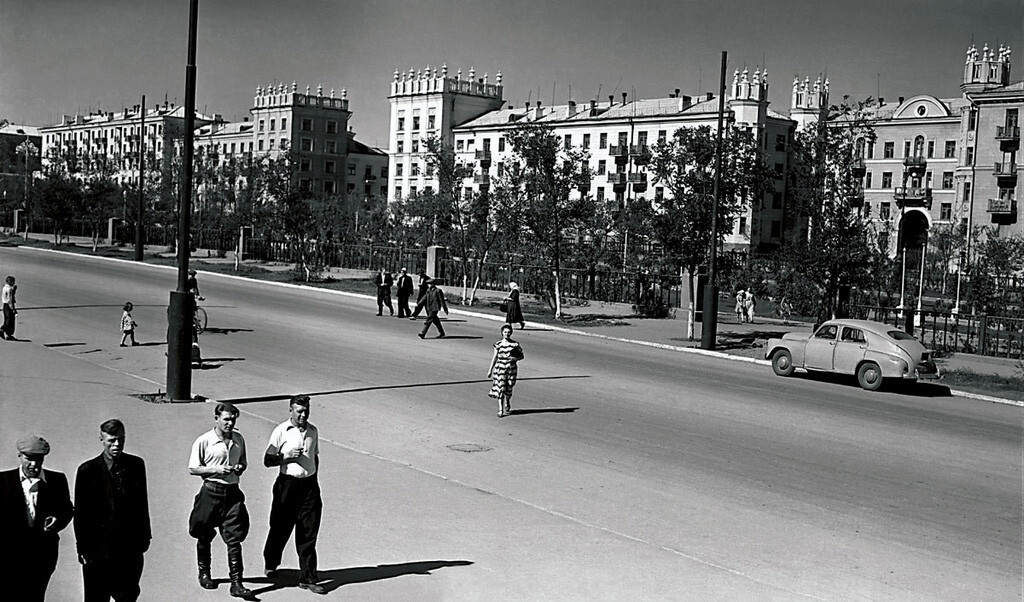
[
  {"x": 20, "y": 158},
  {"x": 470, "y": 116}
]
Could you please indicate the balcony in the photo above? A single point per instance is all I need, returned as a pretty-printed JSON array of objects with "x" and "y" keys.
[
  {"x": 641, "y": 153},
  {"x": 1005, "y": 172},
  {"x": 1002, "y": 207},
  {"x": 484, "y": 157},
  {"x": 859, "y": 168},
  {"x": 857, "y": 197},
  {"x": 483, "y": 179},
  {"x": 639, "y": 181},
  {"x": 618, "y": 178},
  {"x": 620, "y": 152},
  {"x": 907, "y": 196},
  {"x": 915, "y": 165},
  {"x": 1008, "y": 136}
]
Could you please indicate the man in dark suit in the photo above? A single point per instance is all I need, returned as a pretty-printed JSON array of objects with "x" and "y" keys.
[
  {"x": 405, "y": 288},
  {"x": 384, "y": 281},
  {"x": 434, "y": 302},
  {"x": 112, "y": 527},
  {"x": 35, "y": 505}
]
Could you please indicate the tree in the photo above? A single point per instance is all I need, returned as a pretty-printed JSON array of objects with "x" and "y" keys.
[
  {"x": 100, "y": 198},
  {"x": 58, "y": 192},
  {"x": 840, "y": 248},
  {"x": 685, "y": 164},
  {"x": 541, "y": 182}
]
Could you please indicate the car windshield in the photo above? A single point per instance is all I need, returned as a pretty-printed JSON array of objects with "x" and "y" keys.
[{"x": 899, "y": 335}]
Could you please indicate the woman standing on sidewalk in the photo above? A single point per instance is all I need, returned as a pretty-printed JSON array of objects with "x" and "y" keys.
[
  {"x": 504, "y": 370},
  {"x": 514, "y": 313}
]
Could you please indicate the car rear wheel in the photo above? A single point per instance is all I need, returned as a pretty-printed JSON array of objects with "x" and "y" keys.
[
  {"x": 782, "y": 362},
  {"x": 869, "y": 376}
]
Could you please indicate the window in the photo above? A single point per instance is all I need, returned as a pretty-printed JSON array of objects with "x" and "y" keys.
[
  {"x": 431, "y": 122},
  {"x": 600, "y": 193},
  {"x": 332, "y": 127},
  {"x": 1011, "y": 118},
  {"x": 776, "y": 199},
  {"x": 889, "y": 150},
  {"x": 867, "y": 180},
  {"x": 501, "y": 144},
  {"x": 906, "y": 148},
  {"x": 260, "y": 145},
  {"x": 931, "y": 149},
  {"x": 330, "y": 186},
  {"x": 412, "y": 191},
  {"x": 416, "y": 123},
  {"x": 568, "y": 142},
  {"x": 398, "y": 192},
  {"x": 827, "y": 332},
  {"x": 886, "y": 179},
  {"x": 501, "y": 169},
  {"x": 307, "y": 125},
  {"x": 742, "y": 228},
  {"x": 383, "y": 171},
  {"x": 779, "y": 169},
  {"x": 586, "y": 141},
  {"x": 304, "y": 184},
  {"x": 303, "y": 164},
  {"x": 871, "y": 150},
  {"x": 602, "y": 167},
  {"x": 306, "y": 145},
  {"x": 623, "y": 138},
  {"x": 883, "y": 210},
  {"x": 641, "y": 138},
  {"x": 946, "y": 211},
  {"x": 662, "y": 136},
  {"x": 780, "y": 142},
  {"x": 401, "y": 124},
  {"x": 459, "y": 146},
  {"x": 350, "y": 188},
  {"x": 400, "y": 170},
  {"x": 262, "y": 125},
  {"x": 330, "y": 167},
  {"x": 273, "y": 122},
  {"x": 332, "y": 147},
  {"x": 947, "y": 180},
  {"x": 659, "y": 193},
  {"x": 950, "y": 149},
  {"x": 776, "y": 228},
  {"x": 415, "y": 143},
  {"x": 603, "y": 141},
  {"x": 967, "y": 192},
  {"x": 414, "y": 169},
  {"x": 400, "y": 147},
  {"x": 284, "y": 123},
  {"x": 969, "y": 156},
  {"x": 351, "y": 169},
  {"x": 853, "y": 335},
  {"x": 271, "y": 147}
]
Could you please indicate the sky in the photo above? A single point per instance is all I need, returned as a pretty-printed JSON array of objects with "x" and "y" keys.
[{"x": 62, "y": 57}]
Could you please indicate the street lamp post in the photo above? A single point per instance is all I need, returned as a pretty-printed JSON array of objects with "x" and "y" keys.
[
  {"x": 709, "y": 328},
  {"x": 142, "y": 182},
  {"x": 182, "y": 306}
]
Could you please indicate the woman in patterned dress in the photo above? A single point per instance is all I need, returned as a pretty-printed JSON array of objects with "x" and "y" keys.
[{"x": 504, "y": 370}]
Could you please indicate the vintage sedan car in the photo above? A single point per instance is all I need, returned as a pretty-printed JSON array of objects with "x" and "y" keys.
[{"x": 870, "y": 350}]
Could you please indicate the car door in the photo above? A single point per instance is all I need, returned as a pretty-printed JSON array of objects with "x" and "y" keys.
[
  {"x": 849, "y": 350},
  {"x": 820, "y": 348}
]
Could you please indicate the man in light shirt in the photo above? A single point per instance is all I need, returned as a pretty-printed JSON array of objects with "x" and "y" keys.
[
  {"x": 218, "y": 457},
  {"x": 295, "y": 448}
]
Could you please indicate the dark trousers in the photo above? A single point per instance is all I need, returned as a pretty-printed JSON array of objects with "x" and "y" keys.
[
  {"x": 384, "y": 298},
  {"x": 220, "y": 507},
  {"x": 115, "y": 578},
  {"x": 432, "y": 319},
  {"x": 28, "y": 569},
  {"x": 419, "y": 304},
  {"x": 403, "y": 306},
  {"x": 297, "y": 506},
  {"x": 8, "y": 327}
]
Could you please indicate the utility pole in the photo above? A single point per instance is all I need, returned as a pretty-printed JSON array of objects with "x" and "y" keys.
[
  {"x": 709, "y": 328},
  {"x": 182, "y": 305},
  {"x": 142, "y": 182}
]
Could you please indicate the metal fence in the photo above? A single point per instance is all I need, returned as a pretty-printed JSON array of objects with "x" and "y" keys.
[
  {"x": 356, "y": 257},
  {"x": 995, "y": 336}
]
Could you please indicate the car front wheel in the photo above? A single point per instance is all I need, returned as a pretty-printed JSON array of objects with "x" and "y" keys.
[
  {"x": 782, "y": 362},
  {"x": 869, "y": 376}
]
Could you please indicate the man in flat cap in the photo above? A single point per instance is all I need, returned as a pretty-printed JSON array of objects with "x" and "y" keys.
[
  {"x": 35, "y": 504},
  {"x": 112, "y": 529}
]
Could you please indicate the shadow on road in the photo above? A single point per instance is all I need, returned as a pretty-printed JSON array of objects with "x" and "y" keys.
[
  {"x": 913, "y": 389},
  {"x": 282, "y": 397},
  {"x": 543, "y": 411},
  {"x": 458, "y": 336},
  {"x": 55, "y": 345},
  {"x": 332, "y": 579},
  {"x": 212, "y": 330}
]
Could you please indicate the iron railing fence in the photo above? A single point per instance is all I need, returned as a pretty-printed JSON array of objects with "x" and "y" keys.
[{"x": 996, "y": 336}]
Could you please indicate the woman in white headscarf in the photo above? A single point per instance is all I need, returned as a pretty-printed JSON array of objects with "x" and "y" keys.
[{"x": 514, "y": 313}]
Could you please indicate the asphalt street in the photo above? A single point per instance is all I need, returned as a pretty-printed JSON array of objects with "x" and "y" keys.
[{"x": 627, "y": 471}]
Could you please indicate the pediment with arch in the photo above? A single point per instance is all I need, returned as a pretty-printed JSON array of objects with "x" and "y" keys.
[{"x": 922, "y": 107}]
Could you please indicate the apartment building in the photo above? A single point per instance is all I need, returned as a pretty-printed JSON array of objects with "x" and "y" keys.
[{"x": 20, "y": 158}]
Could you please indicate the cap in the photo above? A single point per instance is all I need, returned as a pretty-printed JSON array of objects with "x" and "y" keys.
[
  {"x": 403, "y": 269},
  {"x": 33, "y": 445},
  {"x": 192, "y": 272}
]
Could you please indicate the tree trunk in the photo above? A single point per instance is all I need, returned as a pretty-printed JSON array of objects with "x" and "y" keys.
[
  {"x": 691, "y": 311},
  {"x": 558, "y": 295}
]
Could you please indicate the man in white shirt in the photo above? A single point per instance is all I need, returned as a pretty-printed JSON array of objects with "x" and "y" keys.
[
  {"x": 10, "y": 308},
  {"x": 295, "y": 448},
  {"x": 218, "y": 457}
]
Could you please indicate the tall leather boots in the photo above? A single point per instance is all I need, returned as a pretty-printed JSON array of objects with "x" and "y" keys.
[
  {"x": 235, "y": 572},
  {"x": 203, "y": 561}
]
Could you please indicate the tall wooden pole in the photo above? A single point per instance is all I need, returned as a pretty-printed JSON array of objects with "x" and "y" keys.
[
  {"x": 709, "y": 328},
  {"x": 142, "y": 181}
]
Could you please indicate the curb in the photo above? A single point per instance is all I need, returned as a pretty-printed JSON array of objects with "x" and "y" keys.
[{"x": 468, "y": 313}]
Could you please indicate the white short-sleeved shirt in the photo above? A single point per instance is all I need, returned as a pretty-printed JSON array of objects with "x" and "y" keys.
[
  {"x": 287, "y": 436},
  {"x": 210, "y": 450}
]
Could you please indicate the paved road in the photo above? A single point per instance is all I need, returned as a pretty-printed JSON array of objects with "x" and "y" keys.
[{"x": 628, "y": 473}]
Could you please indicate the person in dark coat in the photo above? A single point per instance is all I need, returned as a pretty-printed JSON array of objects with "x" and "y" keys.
[
  {"x": 384, "y": 282},
  {"x": 514, "y": 311},
  {"x": 405, "y": 289},
  {"x": 112, "y": 528},
  {"x": 424, "y": 284},
  {"x": 35, "y": 505},
  {"x": 434, "y": 302}
]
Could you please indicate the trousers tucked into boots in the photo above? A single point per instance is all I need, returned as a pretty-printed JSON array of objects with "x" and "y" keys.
[
  {"x": 235, "y": 571},
  {"x": 203, "y": 562}
]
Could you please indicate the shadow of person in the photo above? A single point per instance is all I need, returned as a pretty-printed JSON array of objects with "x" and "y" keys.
[
  {"x": 332, "y": 579},
  {"x": 523, "y": 411}
]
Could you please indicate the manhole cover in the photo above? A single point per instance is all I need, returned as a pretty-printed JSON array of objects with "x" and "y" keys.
[{"x": 469, "y": 447}]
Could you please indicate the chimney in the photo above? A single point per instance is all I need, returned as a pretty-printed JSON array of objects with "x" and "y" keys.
[
  {"x": 611, "y": 100},
  {"x": 527, "y": 105},
  {"x": 572, "y": 108},
  {"x": 710, "y": 95},
  {"x": 881, "y": 101},
  {"x": 901, "y": 100},
  {"x": 677, "y": 92},
  {"x": 593, "y": 104},
  {"x": 685, "y": 102},
  {"x": 245, "y": 119},
  {"x": 623, "y": 99}
]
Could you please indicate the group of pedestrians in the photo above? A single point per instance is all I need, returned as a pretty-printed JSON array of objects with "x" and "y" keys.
[
  {"x": 111, "y": 516},
  {"x": 745, "y": 306}
]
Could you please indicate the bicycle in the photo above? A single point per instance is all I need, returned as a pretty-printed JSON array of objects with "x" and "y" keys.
[{"x": 199, "y": 318}]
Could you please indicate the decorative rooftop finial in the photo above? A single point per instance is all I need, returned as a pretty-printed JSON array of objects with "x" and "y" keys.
[
  {"x": 294, "y": 86},
  {"x": 258, "y": 90},
  {"x": 307, "y": 90},
  {"x": 485, "y": 77},
  {"x": 332, "y": 92},
  {"x": 444, "y": 70},
  {"x": 497, "y": 78},
  {"x": 319, "y": 89},
  {"x": 735, "y": 76},
  {"x": 344, "y": 94},
  {"x": 472, "y": 73},
  {"x": 397, "y": 75},
  {"x": 459, "y": 74}
]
